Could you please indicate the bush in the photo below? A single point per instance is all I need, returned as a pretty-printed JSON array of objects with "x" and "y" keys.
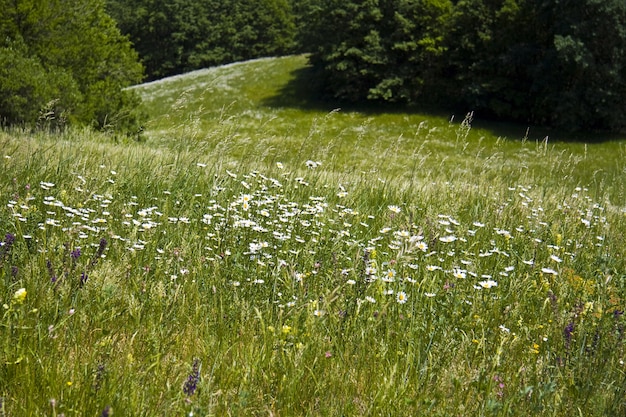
[{"x": 68, "y": 60}]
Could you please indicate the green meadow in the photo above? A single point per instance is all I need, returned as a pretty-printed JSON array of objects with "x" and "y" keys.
[{"x": 260, "y": 252}]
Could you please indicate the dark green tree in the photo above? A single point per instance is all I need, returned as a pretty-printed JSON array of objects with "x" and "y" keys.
[
  {"x": 379, "y": 49},
  {"x": 552, "y": 62},
  {"x": 175, "y": 36},
  {"x": 580, "y": 76},
  {"x": 560, "y": 63},
  {"x": 67, "y": 59}
]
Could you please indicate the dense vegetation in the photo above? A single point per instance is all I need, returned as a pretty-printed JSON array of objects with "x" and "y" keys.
[
  {"x": 250, "y": 257},
  {"x": 541, "y": 62},
  {"x": 65, "y": 62},
  {"x": 176, "y": 36},
  {"x": 548, "y": 62}
]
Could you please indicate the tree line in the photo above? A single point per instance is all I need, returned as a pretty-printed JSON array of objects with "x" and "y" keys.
[{"x": 558, "y": 63}]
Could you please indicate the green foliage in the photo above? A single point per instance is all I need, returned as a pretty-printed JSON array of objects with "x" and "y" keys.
[
  {"x": 27, "y": 88},
  {"x": 549, "y": 62},
  {"x": 381, "y": 50},
  {"x": 558, "y": 63},
  {"x": 176, "y": 36},
  {"x": 72, "y": 55}
]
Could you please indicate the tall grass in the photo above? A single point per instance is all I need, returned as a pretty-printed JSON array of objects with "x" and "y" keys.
[{"x": 221, "y": 273}]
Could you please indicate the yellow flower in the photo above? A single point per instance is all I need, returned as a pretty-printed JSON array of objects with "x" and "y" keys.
[{"x": 20, "y": 295}]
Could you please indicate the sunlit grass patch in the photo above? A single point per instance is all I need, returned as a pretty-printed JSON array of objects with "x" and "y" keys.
[{"x": 452, "y": 273}]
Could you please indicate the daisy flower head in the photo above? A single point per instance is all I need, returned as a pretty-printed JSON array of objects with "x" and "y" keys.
[
  {"x": 401, "y": 297},
  {"x": 556, "y": 258},
  {"x": 390, "y": 275},
  {"x": 394, "y": 209},
  {"x": 488, "y": 283},
  {"x": 459, "y": 273}
]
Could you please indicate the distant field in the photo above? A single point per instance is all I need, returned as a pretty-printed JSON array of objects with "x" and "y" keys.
[
  {"x": 262, "y": 110},
  {"x": 262, "y": 253}
]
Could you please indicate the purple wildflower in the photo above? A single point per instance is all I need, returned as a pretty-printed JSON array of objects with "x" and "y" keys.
[
  {"x": 6, "y": 246},
  {"x": 83, "y": 278},
  {"x": 106, "y": 412},
  {"x": 98, "y": 255},
  {"x": 567, "y": 333},
  {"x": 192, "y": 380},
  {"x": 75, "y": 254},
  {"x": 53, "y": 277}
]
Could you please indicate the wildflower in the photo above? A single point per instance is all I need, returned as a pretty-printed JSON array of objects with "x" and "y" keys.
[
  {"x": 389, "y": 275},
  {"x": 83, "y": 278},
  {"x": 394, "y": 209},
  {"x": 488, "y": 283},
  {"x": 101, "y": 247},
  {"x": 192, "y": 380},
  {"x": 20, "y": 295},
  {"x": 401, "y": 297},
  {"x": 6, "y": 245},
  {"x": 556, "y": 258},
  {"x": 448, "y": 239},
  {"x": 107, "y": 411},
  {"x": 504, "y": 329},
  {"x": 279, "y": 165},
  {"x": 459, "y": 273},
  {"x": 567, "y": 334},
  {"x": 370, "y": 270},
  {"x": 370, "y": 299},
  {"x": 549, "y": 271}
]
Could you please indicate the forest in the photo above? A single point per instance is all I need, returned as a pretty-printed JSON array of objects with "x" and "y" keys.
[{"x": 557, "y": 63}]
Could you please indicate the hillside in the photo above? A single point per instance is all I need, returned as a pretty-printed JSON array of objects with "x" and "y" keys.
[{"x": 258, "y": 253}]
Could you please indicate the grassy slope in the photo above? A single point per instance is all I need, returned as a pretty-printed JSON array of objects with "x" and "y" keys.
[
  {"x": 179, "y": 280},
  {"x": 259, "y": 111}
]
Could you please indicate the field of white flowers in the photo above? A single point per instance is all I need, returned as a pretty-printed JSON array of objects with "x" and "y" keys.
[{"x": 143, "y": 280}]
